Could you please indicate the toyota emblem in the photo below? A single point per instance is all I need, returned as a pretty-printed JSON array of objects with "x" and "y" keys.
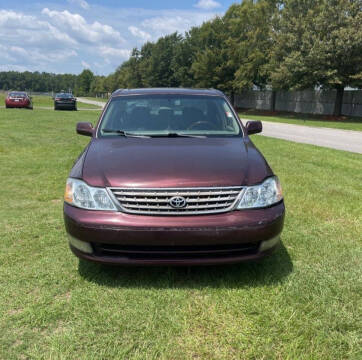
[{"x": 178, "y": 202}]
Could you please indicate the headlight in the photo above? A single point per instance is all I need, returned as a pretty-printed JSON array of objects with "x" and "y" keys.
[
  {"x": 79, "y": 194},
  {"x": 263, "y": 195}
]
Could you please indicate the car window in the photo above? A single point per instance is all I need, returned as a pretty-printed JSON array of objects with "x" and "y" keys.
[
  {"x": 17, "y": 94},
  {"x": 64, "y": 96},
  {"x": 162, "y": 114}
]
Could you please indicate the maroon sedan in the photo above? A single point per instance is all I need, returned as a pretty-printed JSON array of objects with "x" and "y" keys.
[
  {"x": 171, "y": 177},
  {"x": 18, "y": 99}
]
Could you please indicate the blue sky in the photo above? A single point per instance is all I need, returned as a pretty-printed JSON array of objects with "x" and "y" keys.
[{"x": 68, "y": 36}]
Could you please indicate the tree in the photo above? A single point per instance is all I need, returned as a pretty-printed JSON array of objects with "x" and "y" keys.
[
  {"x": 210, "y": 67},
  {"x": 156, "y": 60},
  {"x": 97, "y": 85},
  {"x": 249, "y": 43},
  {"x": 35, "y": 81},
  {"x": 128, "y": 75},
  {"x": 183, "y": 57},
  {"x": 318, "y": 43},
  {"x": 84, "y": 82}
]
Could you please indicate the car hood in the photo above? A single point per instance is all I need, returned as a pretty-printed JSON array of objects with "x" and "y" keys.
[{"x": 173, "y": 162}]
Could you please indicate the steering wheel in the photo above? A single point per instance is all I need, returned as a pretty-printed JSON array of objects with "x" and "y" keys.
[{"x": 209, "y": 125}]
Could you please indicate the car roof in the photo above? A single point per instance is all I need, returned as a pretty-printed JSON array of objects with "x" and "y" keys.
[{"x": 165, "y": 91}]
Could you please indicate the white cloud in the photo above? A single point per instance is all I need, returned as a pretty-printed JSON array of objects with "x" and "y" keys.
[
  {"x": 82, "y": 3},
  {"x": 207, "y": 4},
  {"x": 20, "y": 55},
  {"x": 114, "y": 56},
  {"x": 76, "y": 26},
  {"x": 163, "y": 25},
  {"x": 13, "y": 67},
  {"x": 85, "y": 64},
  {"x": 17, "y": 28},
  {"x": 5, "y": 54},
  {"x": 20, "y": 52},
  {"x": 59, "y": 40},
  {"x": 135, "y": 31},
  {"x": 11, "y": 18}
]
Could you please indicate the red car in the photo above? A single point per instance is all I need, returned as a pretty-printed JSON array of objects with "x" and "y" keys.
[
  {"x": 18, "y": 99},
  {"x": 171, "y": 177}
]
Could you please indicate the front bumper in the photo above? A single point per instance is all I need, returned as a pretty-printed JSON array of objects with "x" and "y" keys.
[{"x": 119, "y": 238}]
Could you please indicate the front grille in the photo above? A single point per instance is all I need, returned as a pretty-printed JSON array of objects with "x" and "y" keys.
[
  {"x": 174, "y": 252},
  {"x": 157, "y": 201}
]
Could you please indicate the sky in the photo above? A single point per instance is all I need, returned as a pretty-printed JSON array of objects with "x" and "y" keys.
[{"x": 71, "y": 35}]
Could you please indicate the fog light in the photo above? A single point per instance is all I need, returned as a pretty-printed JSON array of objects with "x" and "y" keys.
[
  {"x": 268, "y": 244},
  {"x": 80, "y": 245}
]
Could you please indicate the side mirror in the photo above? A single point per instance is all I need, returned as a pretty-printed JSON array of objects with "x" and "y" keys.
[
  {"x": 254, "y": 127},
  {"x": 85, "y": 128}
]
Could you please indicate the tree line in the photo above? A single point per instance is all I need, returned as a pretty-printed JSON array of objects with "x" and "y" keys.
[
  {"x": 47, "y": 82},
  {"x": 265, "y": 44}
]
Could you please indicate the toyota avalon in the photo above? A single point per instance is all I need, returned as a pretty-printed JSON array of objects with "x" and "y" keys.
[{"x": 171, "y": 177}]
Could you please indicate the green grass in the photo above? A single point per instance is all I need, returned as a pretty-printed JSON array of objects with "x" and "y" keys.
[
  {"x": 302, "y": 303},
  {"x": 345, "y": 123},
  {"x": 47, "y": 101}
]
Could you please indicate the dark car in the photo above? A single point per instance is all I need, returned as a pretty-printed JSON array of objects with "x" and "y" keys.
[
  {"x": 171, "y": 177},
  {"x": 65, "y": 101},
  {"x": 18, "y": 99}
]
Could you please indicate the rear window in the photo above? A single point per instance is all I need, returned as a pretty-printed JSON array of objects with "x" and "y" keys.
[
  {"x": 64, "y": 96},
  {"x": 17, "y": 94},
  {"x": 160, "y": 114}
]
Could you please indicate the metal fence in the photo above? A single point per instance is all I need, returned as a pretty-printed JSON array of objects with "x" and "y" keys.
[{"x": 306, "y": 101}]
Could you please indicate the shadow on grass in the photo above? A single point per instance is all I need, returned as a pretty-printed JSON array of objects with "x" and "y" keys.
[{"x": 271, "y": 270}]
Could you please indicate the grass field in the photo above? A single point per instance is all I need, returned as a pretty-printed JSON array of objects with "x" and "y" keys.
[
  {"x": 346, "y": 123},
  {"x": 47, "y": 101},
  {"x": 302, "y": 303}
]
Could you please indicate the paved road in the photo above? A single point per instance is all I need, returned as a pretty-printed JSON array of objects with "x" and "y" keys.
[
  {"x": 347, "y": 140},
  {"x": 92, "y": 102}
]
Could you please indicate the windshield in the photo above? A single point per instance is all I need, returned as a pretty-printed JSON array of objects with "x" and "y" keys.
[{"x": 154, "y": 115}]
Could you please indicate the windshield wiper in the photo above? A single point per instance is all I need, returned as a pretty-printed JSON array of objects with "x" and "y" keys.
[
  {"x": 177, "y": 135},
  {"x": 123, "y": 133}
]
